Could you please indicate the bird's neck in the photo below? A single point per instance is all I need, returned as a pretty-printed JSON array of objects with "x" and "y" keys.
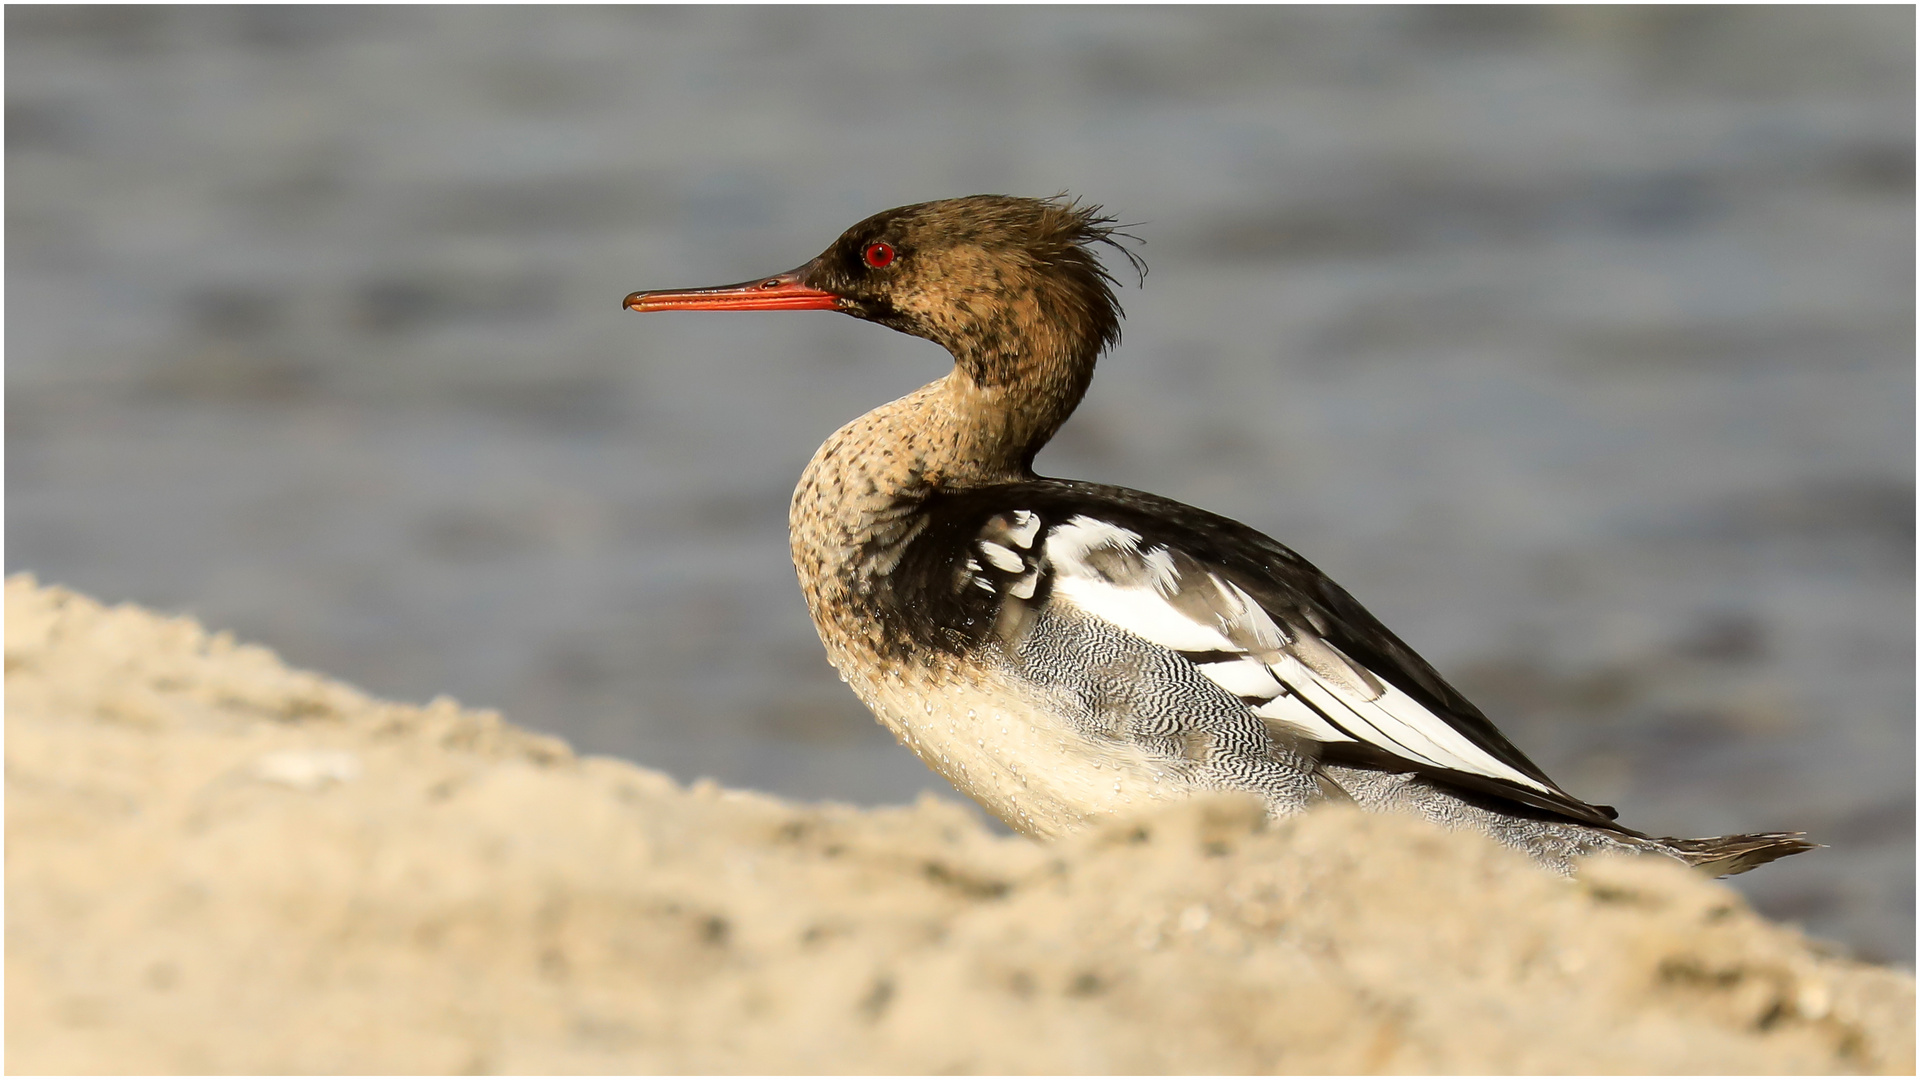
[{"x": 980, "y": 425}]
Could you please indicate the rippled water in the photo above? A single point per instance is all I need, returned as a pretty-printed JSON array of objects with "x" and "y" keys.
[{"x": 1577, "y": 343}]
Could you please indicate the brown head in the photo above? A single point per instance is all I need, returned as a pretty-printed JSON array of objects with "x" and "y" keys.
[{"x": 1010, "y": 286}]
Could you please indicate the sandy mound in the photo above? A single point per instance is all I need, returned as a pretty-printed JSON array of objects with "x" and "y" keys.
[{"x": 216, "y": 864}]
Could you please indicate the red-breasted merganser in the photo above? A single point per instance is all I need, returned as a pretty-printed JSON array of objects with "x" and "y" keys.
[{"x": 1062, "y": 650}]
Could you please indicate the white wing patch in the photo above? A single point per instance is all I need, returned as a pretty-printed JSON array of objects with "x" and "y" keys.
[
  {"x": 1002, "y": 557},
  {"x": 1005, "y": 543},
  {"x": 1098, "y": 568},
  {"x": 1068, "y": 545},
  {"x": 1141, "y": 612},
  {"x": 1285, "y": 674},
  {"x": 1286, "y": 709},
  {"x": 1246, "y": 677},
  {"x": 1022, "y": 526}
]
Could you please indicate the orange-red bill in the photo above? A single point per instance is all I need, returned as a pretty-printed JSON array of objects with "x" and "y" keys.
[{"x": 783, "y": 292}]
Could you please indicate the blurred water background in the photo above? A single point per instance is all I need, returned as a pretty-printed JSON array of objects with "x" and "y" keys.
[{"x": 1577, "y": 343}]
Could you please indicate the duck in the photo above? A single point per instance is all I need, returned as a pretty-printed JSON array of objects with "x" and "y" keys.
[{"x": 1062, "y": 651}]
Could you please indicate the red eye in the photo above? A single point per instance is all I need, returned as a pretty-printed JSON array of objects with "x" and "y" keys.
[{"x": 879, "y": 255}]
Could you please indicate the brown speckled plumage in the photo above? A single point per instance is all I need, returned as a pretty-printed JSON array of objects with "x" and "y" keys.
[
  {"x": 1062, "y": 650},
  {"x": 1010, "y": 287}
]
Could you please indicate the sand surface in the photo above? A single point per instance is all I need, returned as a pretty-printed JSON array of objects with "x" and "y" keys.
[{"x": 219, "y": 864}]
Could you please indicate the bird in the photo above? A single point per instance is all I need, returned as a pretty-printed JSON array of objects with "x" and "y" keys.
[{"x": 1063, "y": 651}]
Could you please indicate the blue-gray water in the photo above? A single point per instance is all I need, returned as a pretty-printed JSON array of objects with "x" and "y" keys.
[{"x": 1577, "y": 343}]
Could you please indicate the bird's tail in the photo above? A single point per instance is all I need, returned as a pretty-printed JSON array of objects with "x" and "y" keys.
[{"x": 1725, "y": 855}]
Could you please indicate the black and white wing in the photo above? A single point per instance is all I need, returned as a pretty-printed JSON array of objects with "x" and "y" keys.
[{"x": 1253, "y": 617}]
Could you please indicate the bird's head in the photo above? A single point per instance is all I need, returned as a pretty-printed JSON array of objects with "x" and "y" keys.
[{"x": 1003, "y": 282}]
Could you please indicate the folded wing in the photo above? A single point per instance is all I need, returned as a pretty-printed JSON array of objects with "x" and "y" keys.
[{"x": 1260, "y": 623}]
